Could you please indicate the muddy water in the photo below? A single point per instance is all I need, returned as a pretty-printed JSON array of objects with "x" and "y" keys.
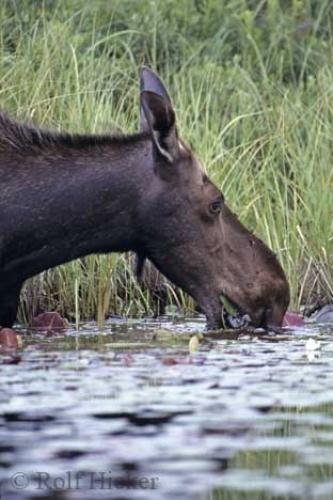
[{"x": 130, "y": 413}]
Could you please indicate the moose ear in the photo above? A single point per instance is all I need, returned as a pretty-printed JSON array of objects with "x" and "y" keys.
[
  {"x": 161, "y": 122},
  {"x": 150, "y": 82}
]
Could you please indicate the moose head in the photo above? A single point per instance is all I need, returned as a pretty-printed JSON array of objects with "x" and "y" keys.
[{"x": 190, "y": 233}]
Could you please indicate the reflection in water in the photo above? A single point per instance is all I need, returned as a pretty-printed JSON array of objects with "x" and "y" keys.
[{"x": 131, "y": 414}]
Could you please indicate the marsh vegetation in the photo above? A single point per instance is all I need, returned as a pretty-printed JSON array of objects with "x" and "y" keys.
[{"x": 252, "y": 86}]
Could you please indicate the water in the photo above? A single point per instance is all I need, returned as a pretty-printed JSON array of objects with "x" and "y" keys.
[{"x": 130, "y": 413}]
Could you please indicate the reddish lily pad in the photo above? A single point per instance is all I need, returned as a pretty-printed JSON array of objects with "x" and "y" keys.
[
  {"x": 8, "y": 338},
  {"x": 49, "y": 323},
  {"x": 292, "y": 319}
]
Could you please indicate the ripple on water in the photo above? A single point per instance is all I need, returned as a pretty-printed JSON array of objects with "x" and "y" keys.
[{"x": 242, "y": 415}]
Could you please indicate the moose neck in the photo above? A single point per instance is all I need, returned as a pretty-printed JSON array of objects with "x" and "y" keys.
[{"x": 67, "y": 202}]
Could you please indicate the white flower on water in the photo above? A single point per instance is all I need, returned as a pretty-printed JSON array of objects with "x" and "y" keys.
[
  {"x": 312, "y": 349},
  {"x": 312, "y": 345}
]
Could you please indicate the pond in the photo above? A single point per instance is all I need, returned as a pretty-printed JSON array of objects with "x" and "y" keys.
[{"x": 129, "y": 412}]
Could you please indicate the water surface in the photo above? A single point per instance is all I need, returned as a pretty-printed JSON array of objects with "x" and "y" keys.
[{"x": 130, "y": 413}]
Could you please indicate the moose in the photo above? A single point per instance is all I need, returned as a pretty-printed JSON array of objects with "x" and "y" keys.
[{"x": 64, "y": 196}]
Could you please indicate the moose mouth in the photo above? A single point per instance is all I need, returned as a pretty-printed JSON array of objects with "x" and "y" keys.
[{"x": 232, "y": 315}]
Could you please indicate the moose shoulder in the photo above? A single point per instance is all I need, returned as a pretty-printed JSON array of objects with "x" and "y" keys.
[{"x": 65, "y": 196}]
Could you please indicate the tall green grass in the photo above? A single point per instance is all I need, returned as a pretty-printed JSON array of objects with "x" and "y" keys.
[{"x": 252, "y": 83}]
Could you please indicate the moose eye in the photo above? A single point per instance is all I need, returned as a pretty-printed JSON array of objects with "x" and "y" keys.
[{"x": 216, "y": 206}]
